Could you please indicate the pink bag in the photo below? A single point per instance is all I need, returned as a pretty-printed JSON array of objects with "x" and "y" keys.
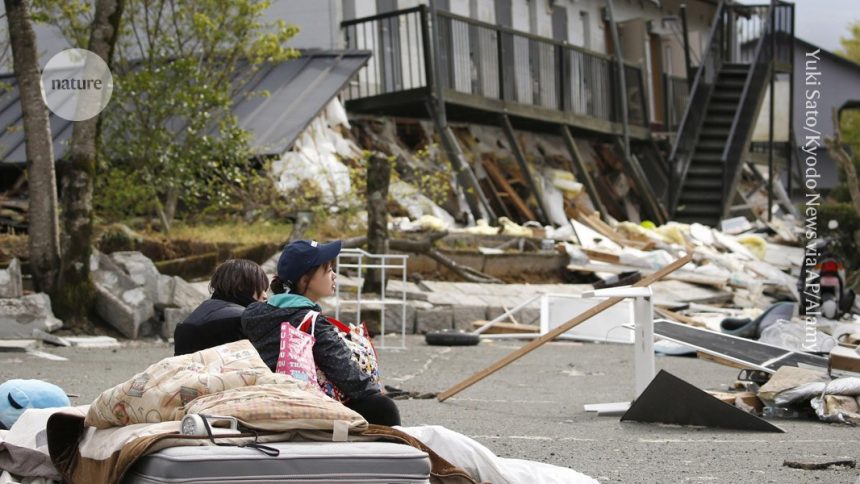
[{"x": 296, "y": 357}]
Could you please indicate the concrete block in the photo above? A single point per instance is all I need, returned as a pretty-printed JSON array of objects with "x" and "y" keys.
[
  {"x": 10, "y": 280},
  {"x": 186, "y": 295},
  {"x": 20, "y": 316},
  {"x": 126, "y": 312},
  {"x": 110, "y": 276},
  {"x": 434, "y": 319},
  {"x": 172, "y": 317},
  {"x": 140, "y": 269},
  {"x": 164, "y": 291},
  {"x": 394, "y": 318},
  {"x": 464, "y": 315}
]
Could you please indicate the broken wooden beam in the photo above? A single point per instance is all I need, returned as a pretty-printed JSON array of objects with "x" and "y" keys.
[{"x": 581, "y": 171}]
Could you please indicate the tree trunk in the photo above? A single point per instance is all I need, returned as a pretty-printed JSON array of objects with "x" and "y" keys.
[
  {"x": 834, "y": 145},
  {"x": 75, "y": 294},
  {"x": 378, "y": 179},
  {"x": 44, "y": 242}
]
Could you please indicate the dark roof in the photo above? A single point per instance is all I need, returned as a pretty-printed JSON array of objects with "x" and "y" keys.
[{"x": 298, "y": 90}]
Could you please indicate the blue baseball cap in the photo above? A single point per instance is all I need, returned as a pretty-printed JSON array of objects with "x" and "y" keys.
[{"x": 302, "y": 255}]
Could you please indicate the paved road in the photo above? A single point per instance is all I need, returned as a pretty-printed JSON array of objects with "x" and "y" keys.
[{"x": 533, "y": 410}]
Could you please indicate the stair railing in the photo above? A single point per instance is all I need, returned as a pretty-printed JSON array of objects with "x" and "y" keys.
[
  {"x": 776, "y": 20},
  {"x": 694, "y": 114}
]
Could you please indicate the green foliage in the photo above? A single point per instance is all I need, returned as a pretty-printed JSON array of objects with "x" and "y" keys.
[
  {"x": 118, "y": 194},
  {"x": 850, "y": 120},
  {"x": 168, "y": 135},
  {"x": 846, "y": 235},
  {"x": 434, "y": 181}
]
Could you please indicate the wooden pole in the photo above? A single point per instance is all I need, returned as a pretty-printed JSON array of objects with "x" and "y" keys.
[{"x": 585, "y": 316}]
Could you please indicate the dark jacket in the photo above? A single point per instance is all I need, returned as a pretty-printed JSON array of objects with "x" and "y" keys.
[
  {"x": 213, "y": 323},
  {"x": 261, "y": 324}
]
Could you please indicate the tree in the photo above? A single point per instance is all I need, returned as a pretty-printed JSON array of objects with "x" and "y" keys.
[
  {"x": 847, "y": 129},
  {"x": 44, "y": 242},
  {"x": 850, "y": 122},
  {"x": 75, "y": 293},
  {"x": 180, "y": 64}
]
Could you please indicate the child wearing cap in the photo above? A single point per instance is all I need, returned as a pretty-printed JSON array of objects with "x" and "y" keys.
[{"x": 305, "y": 275}]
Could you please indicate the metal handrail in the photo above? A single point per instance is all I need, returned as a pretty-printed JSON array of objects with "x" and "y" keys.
[
  {"x": 569, "y": 78},
  {"x": 746, "y": 106},
  {"x": 535, "y": 37},
  {"x": 677, "y": 179},
  {"x": 698, "y": 78},
  {"x": 395, "y": 13}
]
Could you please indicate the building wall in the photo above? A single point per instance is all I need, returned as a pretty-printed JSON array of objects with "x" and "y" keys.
[{"x": 319, "y": 21}]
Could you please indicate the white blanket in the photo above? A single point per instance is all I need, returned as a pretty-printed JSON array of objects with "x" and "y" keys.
[{"x": 486, "y": 466}]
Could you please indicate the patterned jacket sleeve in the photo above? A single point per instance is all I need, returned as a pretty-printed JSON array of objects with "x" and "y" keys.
[{"x": 334, "y": 358}]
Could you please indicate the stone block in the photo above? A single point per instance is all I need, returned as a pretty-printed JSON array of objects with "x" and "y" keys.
[
  {"x": 172, "y": 317},
  {"x": 464, "y": 315},
  {"x": 20, "y": 316},
  {"x": 140, "y": 269},
  {"x": 436, "y": 318},
  {"x": 186, "y": 295},
  {"x": 126, "y": 311},
  {"x": 10, "y": 280}
]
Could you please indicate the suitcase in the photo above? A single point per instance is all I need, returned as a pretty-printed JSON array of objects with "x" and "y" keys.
[{"x": 298, "y": 462}]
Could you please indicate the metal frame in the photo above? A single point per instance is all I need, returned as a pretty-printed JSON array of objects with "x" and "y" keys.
[{"x": 378, "y": 261}]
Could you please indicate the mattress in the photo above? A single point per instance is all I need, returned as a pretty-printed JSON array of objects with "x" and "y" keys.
[{"x": 310, "y": 462}]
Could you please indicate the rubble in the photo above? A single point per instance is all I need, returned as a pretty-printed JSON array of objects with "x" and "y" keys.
[
  {"x": 10, "y": 280},
  {"x": 20, "y": 316},
  {"x": 135, "y": 299}
]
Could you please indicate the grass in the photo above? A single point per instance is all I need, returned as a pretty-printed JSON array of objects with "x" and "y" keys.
[{"x": 255, "y": 233}]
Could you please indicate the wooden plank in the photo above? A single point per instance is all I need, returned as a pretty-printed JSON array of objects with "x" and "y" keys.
[
  {"x": 643, "y": 186},
  {"x": 602, "y": 227},
  {"x": 499, "y": 179},
  {"x": 721, "y": 361},
  {"x": 506, "y": 328},
  {"x": 667, "y": 313},
  {"x": 601, "y": 256},
  {"x": 524, "y": 168},
  {"x": 581, "y": 171},
  {"x": 561, "y": 329}
]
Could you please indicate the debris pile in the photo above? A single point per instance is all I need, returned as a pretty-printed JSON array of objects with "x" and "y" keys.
[
  {"x": 133, "y": 297},
  {"x": 22, "y": 314}
]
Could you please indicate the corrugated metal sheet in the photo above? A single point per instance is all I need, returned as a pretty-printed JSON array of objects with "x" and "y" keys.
[{"x": 298, "y": 90}]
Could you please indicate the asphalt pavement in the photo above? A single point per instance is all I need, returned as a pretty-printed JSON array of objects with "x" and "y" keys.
[{"x": 533, "y": 409}]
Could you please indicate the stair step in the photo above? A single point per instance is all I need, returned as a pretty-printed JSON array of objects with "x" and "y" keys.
[
  {"x": 711, "y": 145},
  {"x": 707, "y": 171},
  {"x": 719, "y": 133},
  {"x": 728, "y": 67},
  {"x": 695, "y": 208},
  {"x": 732, "y": 83},
  {"x": 708, "y": 158},
  {"x": 703, "y": 183},
  {"x": 719, "y": 120},
  {"x": 726, "y": 96}
]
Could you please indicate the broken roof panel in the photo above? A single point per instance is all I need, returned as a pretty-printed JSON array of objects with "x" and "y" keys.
[{"x": 298, "y": 90}]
